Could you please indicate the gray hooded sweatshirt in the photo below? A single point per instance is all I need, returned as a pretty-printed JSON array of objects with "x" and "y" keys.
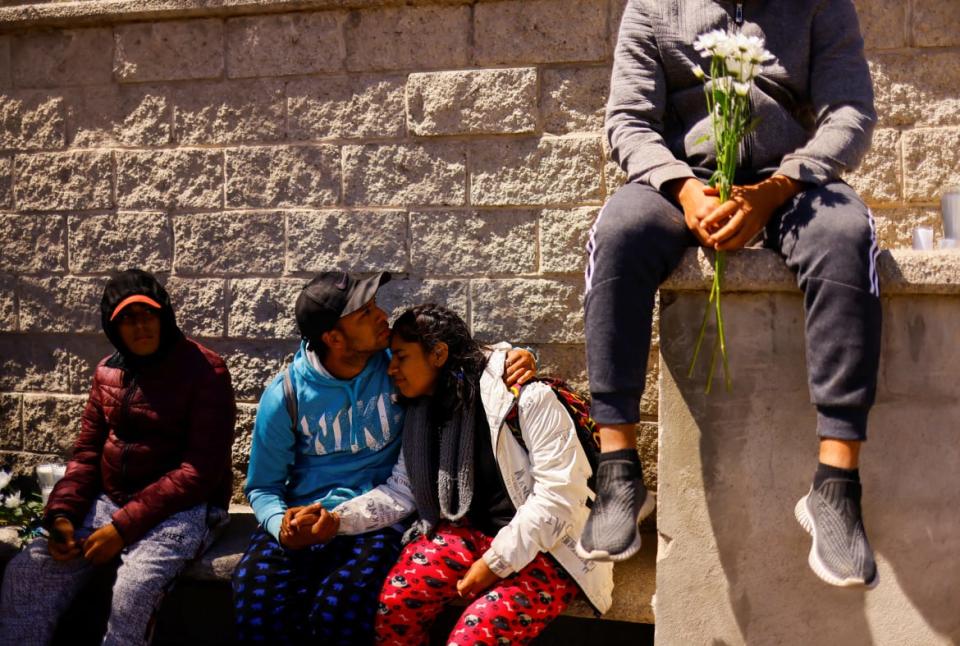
[{"x": 814, "y": 101}]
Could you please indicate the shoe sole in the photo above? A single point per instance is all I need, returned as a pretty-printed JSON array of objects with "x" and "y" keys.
[
  {"x": 819, "y": 568},
  {"x": 649, "y": 505}
]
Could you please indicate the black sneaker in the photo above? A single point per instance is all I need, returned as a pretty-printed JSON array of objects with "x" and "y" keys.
[
  {"x": 610, "y": 533},
  {"x": 840, "y": 553}
]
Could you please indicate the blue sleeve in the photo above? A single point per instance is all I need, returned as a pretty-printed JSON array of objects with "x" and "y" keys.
[{"x": 272, "y": 454}]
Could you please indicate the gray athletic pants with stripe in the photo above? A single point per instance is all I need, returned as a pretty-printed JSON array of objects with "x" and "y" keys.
[
  {"x": 37, "y": 590},
  {"x": 827, "y": 238}
]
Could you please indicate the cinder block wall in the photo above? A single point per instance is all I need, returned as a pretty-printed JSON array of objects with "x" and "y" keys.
[{"x": 236, "y": 150}]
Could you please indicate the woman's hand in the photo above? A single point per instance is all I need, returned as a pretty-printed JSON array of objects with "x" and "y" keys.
[
  {"x": 520, "y": 367},
  {"x": 61, "y": 543},
  {"x": 477, "y": 579},
  {"x": 103, "y": 545}
]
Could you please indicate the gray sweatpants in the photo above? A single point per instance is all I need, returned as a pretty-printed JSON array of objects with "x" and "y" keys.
[
  {"x": 827, "y": 238},
  {"x": 37, "y": 590}
]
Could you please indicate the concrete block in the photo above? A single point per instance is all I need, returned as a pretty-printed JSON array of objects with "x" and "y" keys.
[
  {"x": 528, "y": 310},
  {"x": 895, "y": 225},
  {"x": 473, "y": 242},
  {"x": 253, "y": 364},
  {"x": 51, "y": 424},
  {"x": 107, "y": 243},
  {"x": 615, "y": 11},
  {"x": 170, "y": 179},
  {"x": 11, "y": 428},
  {"x": 402, "y": 293},
  {"x": 33, "y": 243},
  {"x": 350, "y": 240},
  {"x": 916, "y": 88},
  {"x": 613, "y": 176},
  {"x": 74, "y": 181},
  {"x": 5, "y": 77},
  {"x": 229, "y": 112},
  {"x": 540, "y": 31},
  {"x": 408, "y": 38},
  {"x": 200, "y": 305},
  {"x": 535, "y": 171},
  {"x": 168, "y": 51},
  {"x": 62, "y": 57},
  {"x": 931, "y": 162},
  {"x": 60, "y": 304},
  {"x": 229, "y": 243},
  {"x": 878, "y": 179},
  {"x": 292, "y": 43},
  {"x": 574, "y": 99},
  {"x": 346, "y": 107},
  {"x": 565, "y": 360},
  {"x": 6, "y": 182},
  {"x": 283, "y": 176},
  {"x": 243, "y": 437},
  {"x": 404, "y": 174},
  {"x": 32, "y": 120},
  {"x": 118, "y": 115},
  {"x": 262, "y": 308},
  {"x": 919, "y": 351},
  {"x": 935, "y": 23},
  {"x": 472, "y": 102},
  {"x": 883, "y": 23},
  {"x": 8, "y": 303},
  {"x": 563, "y": 239},
  {"x": 732, "y": 466},
  {"x": 50, "y": 362}
]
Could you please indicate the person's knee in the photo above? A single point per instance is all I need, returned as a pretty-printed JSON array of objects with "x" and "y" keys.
[{"x": 635, "y": 218}]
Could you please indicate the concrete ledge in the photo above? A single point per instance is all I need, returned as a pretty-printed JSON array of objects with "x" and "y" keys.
[
  {"x": 732, "y": 562},
  {"x": 76, "y": 14},
  {"x": 901, "y": 271}
]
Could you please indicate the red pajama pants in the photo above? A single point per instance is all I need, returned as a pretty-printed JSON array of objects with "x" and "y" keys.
[{"x": 513, "y": 611}]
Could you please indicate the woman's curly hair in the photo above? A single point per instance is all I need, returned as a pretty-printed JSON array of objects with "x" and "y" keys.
[{"x": 459, "y": 380}]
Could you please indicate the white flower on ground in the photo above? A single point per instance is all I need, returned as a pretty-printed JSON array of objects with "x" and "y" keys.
[
  {"x": 12, "y": 501},
  {"x": 4, "y": 479}
]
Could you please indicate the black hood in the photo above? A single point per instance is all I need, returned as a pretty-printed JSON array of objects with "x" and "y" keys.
[{"x": 137, "y": 282}]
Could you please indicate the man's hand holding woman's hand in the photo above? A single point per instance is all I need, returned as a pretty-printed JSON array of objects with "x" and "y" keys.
[
  {"x": 308, "y": 525},
  {"x": 520, "y": 367}
]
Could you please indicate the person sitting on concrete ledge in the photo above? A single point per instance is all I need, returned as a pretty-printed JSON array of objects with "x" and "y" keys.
[
  {"x": 816, "y": 117},
  {"x": 149, "y": 481},
  {"x": 500, "y": 507},
  {"x": 327, "y": 429}
]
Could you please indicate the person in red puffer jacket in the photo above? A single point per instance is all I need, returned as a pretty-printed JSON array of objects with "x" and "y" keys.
[{"x": 149, "y": 480}]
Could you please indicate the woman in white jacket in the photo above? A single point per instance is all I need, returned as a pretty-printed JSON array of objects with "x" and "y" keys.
[{"x": 498, "y": 520}]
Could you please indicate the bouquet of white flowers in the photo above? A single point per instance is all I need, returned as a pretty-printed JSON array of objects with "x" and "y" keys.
[
  {"x": 735, "y": 60},
  {"x": 17, "y": 510}
]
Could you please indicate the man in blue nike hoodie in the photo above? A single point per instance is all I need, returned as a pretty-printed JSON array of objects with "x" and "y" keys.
[{"x": 298, "y": 580}]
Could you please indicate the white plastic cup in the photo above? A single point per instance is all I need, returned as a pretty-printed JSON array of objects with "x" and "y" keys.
[
  {"x": 950, "y": 209},
  {"x": 923, "y": 238},
  {"x": 47, "y": 476}
]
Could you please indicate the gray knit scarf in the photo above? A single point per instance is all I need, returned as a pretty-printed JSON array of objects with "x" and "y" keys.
[{"x": 436, "y": 476}]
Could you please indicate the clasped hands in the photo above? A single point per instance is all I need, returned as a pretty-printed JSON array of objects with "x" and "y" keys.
[
  {"x": 100, "y": 547},
  {"x": 733, "y": 224},
  {"x": 308, "y": 525}
]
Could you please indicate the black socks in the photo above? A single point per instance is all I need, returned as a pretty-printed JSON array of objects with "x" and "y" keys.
[{"x": 826, "y": 472}]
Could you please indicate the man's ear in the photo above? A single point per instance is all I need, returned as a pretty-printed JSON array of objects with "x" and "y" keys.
[
  {"x": 439, "y": 354},
  {"x": 333, "y": 339}
]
